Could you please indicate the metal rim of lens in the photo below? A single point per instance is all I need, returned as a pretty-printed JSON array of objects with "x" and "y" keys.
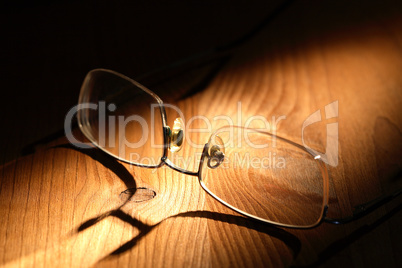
[
  {"x": 322, "y": 167},
  {"x": 84, "y": 123}
]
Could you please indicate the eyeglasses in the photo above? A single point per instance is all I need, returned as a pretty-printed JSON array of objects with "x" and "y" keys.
[{"x": 255, "y": 173}]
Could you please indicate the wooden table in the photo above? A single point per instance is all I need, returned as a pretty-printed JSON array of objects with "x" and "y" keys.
[{"x": 64, "y": 207}]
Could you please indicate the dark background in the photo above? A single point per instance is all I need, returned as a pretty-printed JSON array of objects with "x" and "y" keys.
[{"x": 48, "y": 47}]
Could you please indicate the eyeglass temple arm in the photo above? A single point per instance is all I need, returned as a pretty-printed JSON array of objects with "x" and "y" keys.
[{"x": 366, "y": 208}]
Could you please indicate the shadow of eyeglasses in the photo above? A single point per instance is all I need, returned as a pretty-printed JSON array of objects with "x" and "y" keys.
[
  {"x": 129, "y": 181},
  {"x": 112, "y": 164},
  {"x": 144, "y": 229}
]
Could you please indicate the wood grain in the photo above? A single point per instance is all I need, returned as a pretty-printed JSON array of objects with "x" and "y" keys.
[{"x": 63, "y": 207}]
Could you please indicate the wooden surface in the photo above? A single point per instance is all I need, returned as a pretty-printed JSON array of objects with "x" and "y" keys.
[{"x": 64, "y": 207}]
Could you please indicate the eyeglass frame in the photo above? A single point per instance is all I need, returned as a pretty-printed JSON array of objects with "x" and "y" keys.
[
  {"x": 205, "y": 155},
  {"x": 359, "y": 210}
]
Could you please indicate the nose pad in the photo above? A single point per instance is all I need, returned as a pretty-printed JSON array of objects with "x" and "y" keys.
[
  {"x": 216, "y": 153},
  {"x": 177, "y": 136}
]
